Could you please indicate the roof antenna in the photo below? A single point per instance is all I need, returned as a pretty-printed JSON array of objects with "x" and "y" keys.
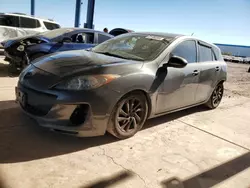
[{"x": 192, "y": 34}]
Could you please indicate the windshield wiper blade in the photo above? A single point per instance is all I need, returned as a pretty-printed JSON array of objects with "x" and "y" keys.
[
  {"x": 115, "y": 55},
  {"x": 110, "y": 54}
]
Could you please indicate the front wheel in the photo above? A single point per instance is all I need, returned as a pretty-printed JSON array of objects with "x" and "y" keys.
[
  {"x": 128, "y": 116},
  {"x": 216, "y": 96}
]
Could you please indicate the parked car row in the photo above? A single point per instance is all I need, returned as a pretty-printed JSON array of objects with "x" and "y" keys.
[
  {"x": 237, "y": 59},
  {"x": 18, "y": 24}
]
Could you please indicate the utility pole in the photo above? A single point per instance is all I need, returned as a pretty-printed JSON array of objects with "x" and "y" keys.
[
  {"x": 32, "y": 7},
  {"x": 90, "y": 14},
  {"x": 78, "y": 13}
]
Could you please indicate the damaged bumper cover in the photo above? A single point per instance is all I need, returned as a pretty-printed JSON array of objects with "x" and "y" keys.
[{"x": 73, "y": 118}]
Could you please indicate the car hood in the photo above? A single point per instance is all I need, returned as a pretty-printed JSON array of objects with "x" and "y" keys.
[
  {"x": 70, "y": 62},
  {"x": 8, "y": 43}
]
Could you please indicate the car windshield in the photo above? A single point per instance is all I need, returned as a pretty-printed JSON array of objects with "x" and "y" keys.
[
  {"x": 55, "y": 33},
  {"x": 135, "y": 47}
]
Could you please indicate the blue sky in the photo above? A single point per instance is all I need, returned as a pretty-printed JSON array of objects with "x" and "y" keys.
[{"x": 218, "y": 21}]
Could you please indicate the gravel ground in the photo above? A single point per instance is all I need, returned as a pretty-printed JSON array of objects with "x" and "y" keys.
[
  {"x": 194, "y": 148},
  {"x": 238, "y": 83}
]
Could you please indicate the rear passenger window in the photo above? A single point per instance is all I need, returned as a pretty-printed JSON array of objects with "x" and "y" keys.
[
  {"x": 186, "y": 50},
  {"x": 29, "y": 23},
  {"x": 102, "y": 38},
  {"x": 206, "y": 54},
  {"x": 7, "y": 20}
]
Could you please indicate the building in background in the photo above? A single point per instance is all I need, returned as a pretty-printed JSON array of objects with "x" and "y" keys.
[{"x": 234, "y": 50}]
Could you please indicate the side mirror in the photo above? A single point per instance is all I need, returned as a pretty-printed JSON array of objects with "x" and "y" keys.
[
  {"x": 65, "y": 39},
  {"x": 176, "y": 62}
]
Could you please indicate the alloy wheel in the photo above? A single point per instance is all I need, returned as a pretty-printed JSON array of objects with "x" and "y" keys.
[
  {"x": 130, "y": 115},
  {"x": 217, "y": 95}
]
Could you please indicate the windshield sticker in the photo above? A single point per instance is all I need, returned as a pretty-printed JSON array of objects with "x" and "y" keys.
[{"x": 155, "y": 37}]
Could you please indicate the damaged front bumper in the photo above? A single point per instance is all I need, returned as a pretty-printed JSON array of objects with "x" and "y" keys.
[{"x": 75, "y": 119}]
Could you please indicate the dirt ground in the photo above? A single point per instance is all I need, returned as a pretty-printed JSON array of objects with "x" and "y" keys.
[{"x": 194, "y": 148}]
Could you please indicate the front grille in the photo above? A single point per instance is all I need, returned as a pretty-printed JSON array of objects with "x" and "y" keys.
[{"x": 37, "y": 103}]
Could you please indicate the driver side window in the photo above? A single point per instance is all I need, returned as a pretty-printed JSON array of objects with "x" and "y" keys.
[{"x": 186, "y": 50}]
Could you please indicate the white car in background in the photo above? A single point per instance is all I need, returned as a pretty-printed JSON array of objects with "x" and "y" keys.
[{"x": 17, "y": 25}]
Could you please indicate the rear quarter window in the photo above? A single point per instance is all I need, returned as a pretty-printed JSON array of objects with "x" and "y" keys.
[
  {"x": 218, "y": 54},
  {"x": 102, "y": 38},
  {"x": 205, "y": 53},
  {"x": 51, "y": 26}
]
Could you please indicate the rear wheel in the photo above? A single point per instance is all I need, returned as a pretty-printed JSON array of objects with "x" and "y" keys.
[
  {"x": 216, "y": 96},
  {"x": 129, "y": 115}
]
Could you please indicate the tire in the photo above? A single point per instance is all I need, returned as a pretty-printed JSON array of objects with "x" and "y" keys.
[
  {"x": 216, "y": 97},
  {"x": 128, "y": 116}
]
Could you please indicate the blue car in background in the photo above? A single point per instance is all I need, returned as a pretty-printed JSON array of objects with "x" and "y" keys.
[{"x": 20, "y": 51}]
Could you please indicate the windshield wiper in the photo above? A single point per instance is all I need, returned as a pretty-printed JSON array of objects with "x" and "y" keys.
[
  {"x": 109, "y": 54},
  {"x": 115, "y": 55}
]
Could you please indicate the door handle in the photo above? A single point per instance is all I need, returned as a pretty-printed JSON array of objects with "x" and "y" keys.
[
  {"x": 195, "y": 72},
  {"x": 217, "y": 68}
]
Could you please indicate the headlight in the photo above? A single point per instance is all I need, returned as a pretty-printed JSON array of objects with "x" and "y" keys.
[
  {"x": 20, "y": 48},
  {"x": 86, "y": 82}
]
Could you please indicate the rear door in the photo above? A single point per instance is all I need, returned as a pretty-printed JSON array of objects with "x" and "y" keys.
[
  {"x": 179, "y": 87},
  {"x": 209, "y": 73}
]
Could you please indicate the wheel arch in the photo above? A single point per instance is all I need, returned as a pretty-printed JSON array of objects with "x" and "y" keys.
[{"x": 142, "y": 91}]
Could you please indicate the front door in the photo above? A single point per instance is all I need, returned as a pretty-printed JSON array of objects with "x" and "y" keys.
[
  {"x": 180, "y": 84},
  {"x": 79, "y": 41}
]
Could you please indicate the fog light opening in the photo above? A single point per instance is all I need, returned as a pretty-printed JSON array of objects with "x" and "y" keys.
[{"x": 79, "y": 115}]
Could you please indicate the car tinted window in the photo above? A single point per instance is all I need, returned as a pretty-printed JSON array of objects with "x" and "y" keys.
[
  {"x": 213, "y": 56},
  {"x": 29, "y": 22},
  {"x": 186, "y": 50},
  {"x": 11, "y": 21},
  {"x": 205, "y": 53},
  {"x": 51, "y": 26},
  {"x": 83, "y": 38},
  {"x": 218, "y": 54},
  {"x": 102, "y": 38}
]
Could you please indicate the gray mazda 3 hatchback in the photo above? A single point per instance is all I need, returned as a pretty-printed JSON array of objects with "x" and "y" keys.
[{"x": 119, "y": 84}]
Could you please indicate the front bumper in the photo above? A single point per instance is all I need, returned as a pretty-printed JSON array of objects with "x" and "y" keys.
[{"x": 59, "y": 115}]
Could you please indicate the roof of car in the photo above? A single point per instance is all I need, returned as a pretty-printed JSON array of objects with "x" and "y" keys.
[
  {"x": 85, "y": 29},
  {"x": 28, "y": 16},
  {"x": 171, "y": 35}
]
